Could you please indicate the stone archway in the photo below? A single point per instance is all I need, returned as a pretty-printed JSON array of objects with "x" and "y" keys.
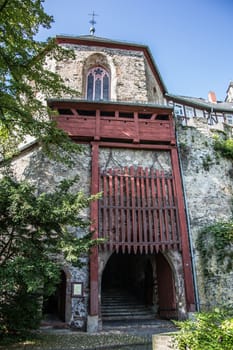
[
  {"x": 55, "y": 307},
  {"x": 150, "y": 279}
]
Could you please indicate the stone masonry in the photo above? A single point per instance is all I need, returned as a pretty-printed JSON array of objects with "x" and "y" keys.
[
  {"x": 131, "y": 77},
  {"x": 208, "y": 188}
]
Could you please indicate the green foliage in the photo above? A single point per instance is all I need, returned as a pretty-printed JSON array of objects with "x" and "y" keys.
[
  {"x": 33, "y": 233},
  {"x": 224, "y": 147},
  {"x": 207, "y": 331},
  {"x": 183, "y": 147},
  {"x": 25, "y": 81},
  {"x": 216, "y": 240},
  {"x": 20, "y": 311},
  {"x": 33, "y": 228},
  {"x": 206, "y": 162}
]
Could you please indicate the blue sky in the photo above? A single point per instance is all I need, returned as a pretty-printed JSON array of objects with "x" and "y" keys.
[{"x": 191, "y": 40}]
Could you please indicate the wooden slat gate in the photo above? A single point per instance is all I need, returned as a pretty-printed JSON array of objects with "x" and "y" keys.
[{"x": 138, "y": 210}]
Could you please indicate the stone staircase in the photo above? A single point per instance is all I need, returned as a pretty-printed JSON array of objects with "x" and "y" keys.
[{"x": 120, "y": 305}]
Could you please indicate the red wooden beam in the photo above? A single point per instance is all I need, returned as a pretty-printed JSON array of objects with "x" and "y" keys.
[
  {"x": 145, "y": 213},
  {"x": 111, "y": 217},
  {"x": 129, "y": 222},
  {"x": 122, "y": 213},
  {"x": 116, "y": 211},
  {"x": 94, "y": 305},
  {"x": 136, "y": 129},
  {"x": 138, "y": 210},
  {"x": 187, "y": 266},
  {"x": 150, "y": 211},
  {"x": 97, "y": 125},
  {"x": 134, "y": 146}
]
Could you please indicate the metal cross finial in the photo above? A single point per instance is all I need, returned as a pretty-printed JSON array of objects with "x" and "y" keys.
[{"x": 93, "y": 22}]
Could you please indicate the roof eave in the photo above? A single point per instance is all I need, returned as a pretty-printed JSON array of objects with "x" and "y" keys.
[
  {"x": 201, "y": 105},
  {"x": 53, "y": 101}
]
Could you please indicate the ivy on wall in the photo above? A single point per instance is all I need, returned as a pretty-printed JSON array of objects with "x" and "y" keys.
[
  {"x": 224, "y": 147},
  {"x": 216, "y": 241}
]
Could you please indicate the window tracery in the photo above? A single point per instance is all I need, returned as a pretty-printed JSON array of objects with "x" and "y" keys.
[{"x": 98, "y": 81}]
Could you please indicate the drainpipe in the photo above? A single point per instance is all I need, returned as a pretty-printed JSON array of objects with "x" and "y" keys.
[{"x": 189, "y": 230}]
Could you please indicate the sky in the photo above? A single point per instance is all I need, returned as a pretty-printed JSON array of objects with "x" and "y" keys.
[{"x": 191, "y": 41}]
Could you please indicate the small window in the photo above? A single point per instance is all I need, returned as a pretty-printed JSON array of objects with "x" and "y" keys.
[
  {"x": 179, "y": 110},
  {"x": 229, "y": 119},
  {"x": 189, "y": 112},
  {"x": 97, "y": 84}
]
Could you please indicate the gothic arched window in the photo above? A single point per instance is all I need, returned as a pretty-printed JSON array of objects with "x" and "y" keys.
[{"x": 98, "y": 84}]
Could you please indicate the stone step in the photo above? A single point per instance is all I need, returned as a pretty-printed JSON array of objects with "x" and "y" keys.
[
  {"x": 126, "y": 312},
  {"x": 127, "y": 317},
  {"x": 125, "y": 307},
  {"x": 121, "y": 305},
  {"x": 121, "y": 300}
]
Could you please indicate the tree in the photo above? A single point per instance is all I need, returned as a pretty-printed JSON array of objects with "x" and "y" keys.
[
  {"x": 33, "y": 233},
  {"x": 24, "y": 77},
  {"x": 33, "y": 228}
]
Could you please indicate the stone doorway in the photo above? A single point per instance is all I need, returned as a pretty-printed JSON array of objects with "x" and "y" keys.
[
  {"x": 54, "y": 308},
  {"x": 140, "y": 281}
]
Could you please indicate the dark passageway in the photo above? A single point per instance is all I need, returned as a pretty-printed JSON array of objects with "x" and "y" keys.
[
  {"x": 54, "y": 306},
  {"x": 136, "y": 284}
]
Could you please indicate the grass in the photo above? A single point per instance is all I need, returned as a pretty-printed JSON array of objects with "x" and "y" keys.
[{"x": 69, "y": 341}]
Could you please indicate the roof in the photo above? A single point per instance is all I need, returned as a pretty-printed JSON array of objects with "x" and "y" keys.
[
  {"x": 202, "y": 103},
  {"x": 91, "y": 40},
  {"x": 144, "y": 105}
]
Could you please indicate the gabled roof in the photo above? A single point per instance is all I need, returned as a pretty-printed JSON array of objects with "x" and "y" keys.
[
  {"x": 90, "y": 40},
  {"x": 201, "y": 103}
]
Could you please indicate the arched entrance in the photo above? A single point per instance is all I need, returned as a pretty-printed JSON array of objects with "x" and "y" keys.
[
  {"x": 144, "y": 281},
  {"x": 54, "y": 308}
]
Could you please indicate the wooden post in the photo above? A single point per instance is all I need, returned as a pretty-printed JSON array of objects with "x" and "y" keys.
[
  {"x": 94, "y": 290},
  {"x": 97, "y": 125},
  {"x": 187, "y": 266},
  {"x": 136, "y": 128}
]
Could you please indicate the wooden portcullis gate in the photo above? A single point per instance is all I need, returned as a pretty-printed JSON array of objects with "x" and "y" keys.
[{"x": 138, "y": 211}]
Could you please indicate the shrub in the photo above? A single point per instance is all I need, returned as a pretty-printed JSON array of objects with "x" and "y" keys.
[
  {"x": 206, "y": 331},
  {"x": 20, "y": 312},
  {"x": 224, "y": 147}
]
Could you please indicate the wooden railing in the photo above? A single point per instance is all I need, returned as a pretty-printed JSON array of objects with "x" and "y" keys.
[{"x": 119, "y": 123}]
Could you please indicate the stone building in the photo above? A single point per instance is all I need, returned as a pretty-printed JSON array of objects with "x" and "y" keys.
[{"x": 154, "y": 199}]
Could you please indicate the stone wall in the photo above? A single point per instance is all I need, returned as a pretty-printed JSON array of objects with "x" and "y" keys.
[
  {"x": 153, "y": 89},
  {"x": 130, "y": 74},
  {"x": 209, "y": 192},
  {"x": 119, "y": 158},
  {"x": 162, "y": 342}
]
